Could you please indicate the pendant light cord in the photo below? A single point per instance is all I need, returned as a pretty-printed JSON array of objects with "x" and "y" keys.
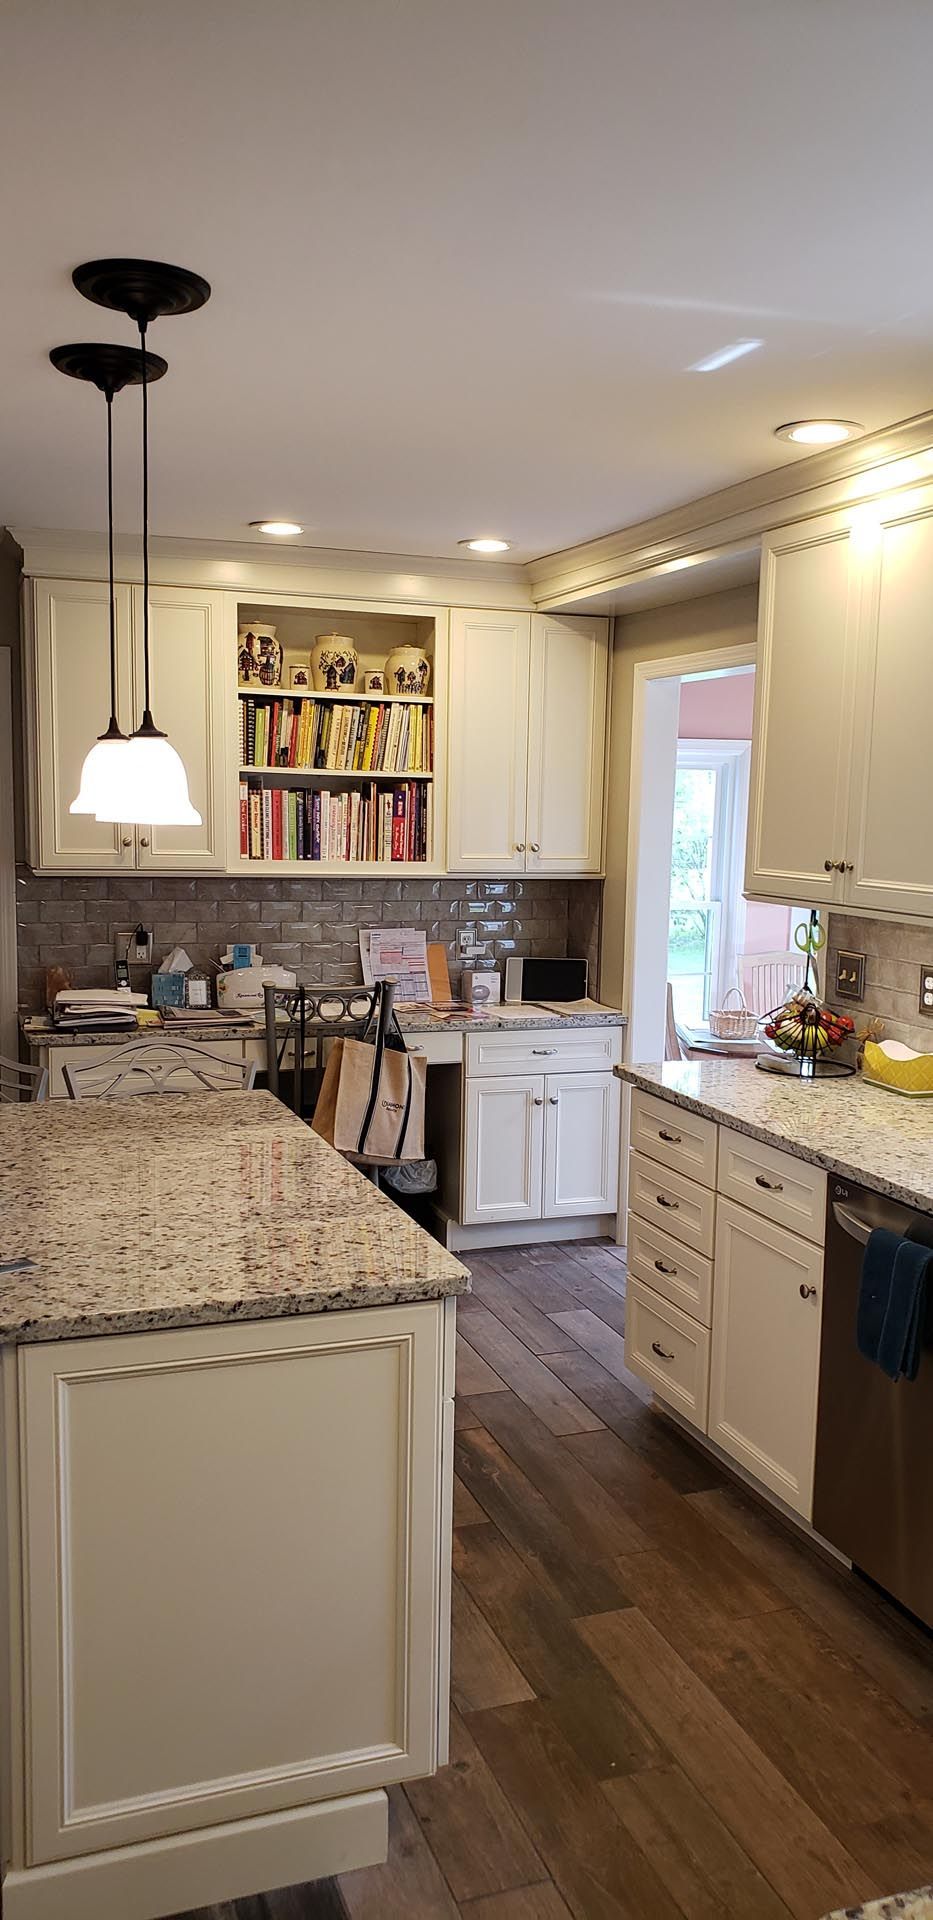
[
  {"x": 113, "y": 730},
  {"x": 148, "y": 724}
]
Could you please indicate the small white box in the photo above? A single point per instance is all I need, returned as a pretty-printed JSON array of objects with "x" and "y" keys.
[{"x": 481, "y": 987}]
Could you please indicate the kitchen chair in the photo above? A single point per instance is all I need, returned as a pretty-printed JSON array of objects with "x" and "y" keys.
[
  {"x": 156, "y": 1067},
  {"x": 15, "y": 1080},
  {"x": 310, "y": 1012},
  {"x": 766, "y": 979}
]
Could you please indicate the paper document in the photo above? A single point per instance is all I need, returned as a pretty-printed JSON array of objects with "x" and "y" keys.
[{"x": 399, "y": 954}]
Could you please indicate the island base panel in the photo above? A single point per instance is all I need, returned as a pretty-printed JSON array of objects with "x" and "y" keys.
[{"x": 215, "y": 1864}]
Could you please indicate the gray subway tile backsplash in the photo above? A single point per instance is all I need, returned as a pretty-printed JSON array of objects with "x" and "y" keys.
[
  {"x": 310, "y": 925},
  {"x": 895, "y": 952}
]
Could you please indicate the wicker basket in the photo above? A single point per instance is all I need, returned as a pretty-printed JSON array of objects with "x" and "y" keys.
[{"x": 733, "y": 1023}]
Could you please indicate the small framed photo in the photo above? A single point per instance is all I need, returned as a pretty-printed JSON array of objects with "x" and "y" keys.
[
  {"x": 374, "y": 682},
  {"x": 299, "y": 676}
]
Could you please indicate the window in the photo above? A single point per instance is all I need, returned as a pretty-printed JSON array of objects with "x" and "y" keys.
[{"x": 707, "y": 912}]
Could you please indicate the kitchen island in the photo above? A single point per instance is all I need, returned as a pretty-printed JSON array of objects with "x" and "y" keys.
[{"x": 227, "y": 1400}]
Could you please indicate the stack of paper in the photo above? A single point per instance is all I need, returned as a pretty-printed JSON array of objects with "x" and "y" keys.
[{"x": 95, "y": 1008}]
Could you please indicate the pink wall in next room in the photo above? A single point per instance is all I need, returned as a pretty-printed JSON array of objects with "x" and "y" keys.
[{"x": 719, "y": 709}]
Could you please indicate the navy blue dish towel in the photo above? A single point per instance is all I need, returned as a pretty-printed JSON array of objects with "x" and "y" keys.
[{"x": 892, "y": 1302}]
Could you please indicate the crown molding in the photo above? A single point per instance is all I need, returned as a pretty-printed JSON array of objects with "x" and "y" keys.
[
  {"x": 731, "y": 521},
  {"x": 251, "y": 569}
]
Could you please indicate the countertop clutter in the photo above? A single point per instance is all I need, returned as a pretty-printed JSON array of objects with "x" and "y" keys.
[
  {"x": 859, "y": 1132},
  {"x": 185, "y": 1212},
  {"x": 38, "y": 1030}
]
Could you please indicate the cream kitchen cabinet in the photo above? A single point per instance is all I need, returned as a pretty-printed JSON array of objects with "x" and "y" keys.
[
  {"x": 528, "y": 698},
  {"x": 840, "y": 788},
  {"x": 67, "y": 678},
  {"x": 540, "y": 1146},
  {"x": 765, "y": 1354}
]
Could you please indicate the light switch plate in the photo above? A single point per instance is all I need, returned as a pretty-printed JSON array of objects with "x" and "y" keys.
[
  {"x": 926, "y": 988},
  {"x": 850, "y": 975}
]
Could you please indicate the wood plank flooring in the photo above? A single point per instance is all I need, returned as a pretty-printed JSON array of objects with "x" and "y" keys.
[{"x": 664, "y": 1701}]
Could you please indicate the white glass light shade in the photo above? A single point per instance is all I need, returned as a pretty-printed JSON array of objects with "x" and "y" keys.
[
  {"x": 99, "y": 775},
  {"x": 150, "y": 787}
]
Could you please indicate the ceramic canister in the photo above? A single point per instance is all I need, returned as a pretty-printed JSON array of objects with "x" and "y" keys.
[
  {"x": 259, "y": 656},
  {"x": 408, "y": 670},
  {"x": 334, "y": 661}
]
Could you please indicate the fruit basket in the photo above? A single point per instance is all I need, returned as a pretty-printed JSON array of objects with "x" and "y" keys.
[{"x": 803, "y": 1034}]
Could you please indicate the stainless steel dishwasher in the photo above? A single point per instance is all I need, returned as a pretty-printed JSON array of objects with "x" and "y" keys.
[{"x": 873, "y": 1487}]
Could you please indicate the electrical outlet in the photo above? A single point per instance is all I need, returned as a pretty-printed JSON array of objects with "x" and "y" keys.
[
  {"x": 133, "y": 944},
  {"x": 926, "y": 989}
]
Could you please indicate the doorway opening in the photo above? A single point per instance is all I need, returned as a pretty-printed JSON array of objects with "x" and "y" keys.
[{"x": 693, "y": 941}]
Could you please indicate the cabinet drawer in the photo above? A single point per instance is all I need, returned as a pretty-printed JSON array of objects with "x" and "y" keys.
[
  {"x": 682, "y": 1140},
  {"x": 438, "y": 1049},
  {"x": 544, "y": 1050},
  {"x": 668, "y": 1350},
  {"x": 773, "y": 1183},
  {"x": 661, "y": 1262},
  {"x": 668, "y": 1200}
]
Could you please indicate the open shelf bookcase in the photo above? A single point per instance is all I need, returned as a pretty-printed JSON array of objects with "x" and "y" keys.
[{"x": 307, "y": 812}]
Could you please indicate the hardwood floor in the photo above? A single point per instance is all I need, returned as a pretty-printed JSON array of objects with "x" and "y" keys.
[{"x": 664, "y": 1701}]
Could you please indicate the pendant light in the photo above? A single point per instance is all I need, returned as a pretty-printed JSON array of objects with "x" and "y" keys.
[
  {"x": 150, "y": 786},
  {"x": 110, "y": 369}
]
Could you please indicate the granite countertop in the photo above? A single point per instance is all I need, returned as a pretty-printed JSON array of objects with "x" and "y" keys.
[
  {"x": 879, "y": 1139},
  {"x": 898, "y": 1906},
  {"x": 38, "y": 1031},
  {"x": 187, "y": 1211}
]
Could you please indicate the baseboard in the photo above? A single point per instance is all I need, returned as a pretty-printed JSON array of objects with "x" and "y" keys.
[
  {"x": 205, "y": 1868},
  {"x": 529, "y": 1233}
]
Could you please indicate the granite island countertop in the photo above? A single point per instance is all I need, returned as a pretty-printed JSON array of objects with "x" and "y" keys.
[
  {"x": 190, "y": 1210},
  {"x": 849, "y": 1128},
  {"x": 38, "y": 1030}
]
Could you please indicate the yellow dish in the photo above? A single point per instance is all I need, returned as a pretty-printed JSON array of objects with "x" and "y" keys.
[{"x": 896, "y": 1067}]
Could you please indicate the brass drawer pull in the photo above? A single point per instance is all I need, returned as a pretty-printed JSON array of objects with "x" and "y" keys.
[
  {"x": 664, "y": 1202},
  {"x": 670, "y": 1271},
  {"x": 661, "y": 1352},
  {"x": 673, "y": 1139},
  {"x": 770, "y": 1186}
]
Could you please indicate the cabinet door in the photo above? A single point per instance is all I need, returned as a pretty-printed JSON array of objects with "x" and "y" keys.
[
  {"x": 581, "y": 1143},
  {"x": 767, "y": 1301},
  {"x": 217, "y": 1624},
  {"x": 488, "y": 742},
  {"x": 192, "y": 668},
  {"x": 503, "y": 1150},
  {"x": 567, "y": 744},
  {"x": 890, "y": 845},
  {"x": 68, "y": 678},
  {"x": 798, "y": 798}
]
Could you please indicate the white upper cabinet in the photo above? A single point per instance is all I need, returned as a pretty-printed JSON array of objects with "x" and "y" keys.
[
  {"x": 68, "y": 702},
  {"x": 567, "y": 744},
  {"x": 527, "y": 720},
  {"x": 488, "y": 741},
  {"x": 192, "y": 669},
  {"x": 890, "y": 847},
  {"x": 67, "y": 674},
  {"x": 798, "y": 798}
]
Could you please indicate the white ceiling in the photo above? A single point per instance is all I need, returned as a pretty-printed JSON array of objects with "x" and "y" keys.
[{"x": 462, "y": 252}]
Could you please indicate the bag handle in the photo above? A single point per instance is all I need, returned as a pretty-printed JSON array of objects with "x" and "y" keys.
[{"x": 388, "y": 1034}]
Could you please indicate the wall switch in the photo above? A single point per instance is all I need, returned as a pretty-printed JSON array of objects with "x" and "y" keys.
[
  {"x": 850, "y": 975},
  {"x": 926, "y": 988}
]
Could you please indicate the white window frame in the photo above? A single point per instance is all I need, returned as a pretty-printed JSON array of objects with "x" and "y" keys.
[{"x": 730, "y": 760}]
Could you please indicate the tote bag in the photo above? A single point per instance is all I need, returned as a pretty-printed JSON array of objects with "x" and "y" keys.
[{"x": 371, "y": 1103}]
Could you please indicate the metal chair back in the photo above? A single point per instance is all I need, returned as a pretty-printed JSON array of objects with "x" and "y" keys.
[
  {"x": 16, "y": 1079},
  {"x": 154, "y": 1066},
  {"x": 310, "y": 1012}
]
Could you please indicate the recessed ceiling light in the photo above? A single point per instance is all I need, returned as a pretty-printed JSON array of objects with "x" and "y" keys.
[
  {"x": 282, "y": 528},
  {"x": 486, "y": 544},
  {"x": 818, "y": 433},
  {"x": 723, "y": 355}
]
